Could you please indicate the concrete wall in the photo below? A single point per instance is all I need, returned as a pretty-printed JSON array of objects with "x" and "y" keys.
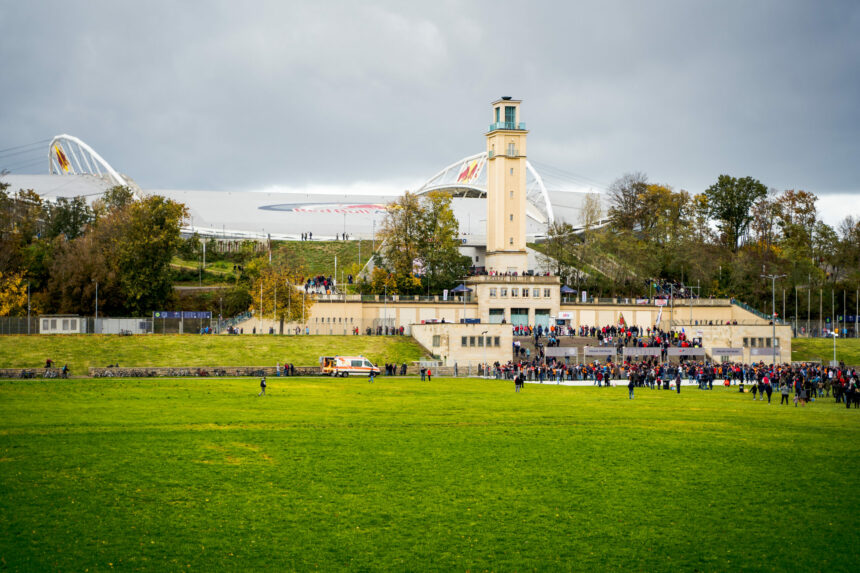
[
  {"x": 746, "y": 337},
  {"x": 446, "y": 342}
]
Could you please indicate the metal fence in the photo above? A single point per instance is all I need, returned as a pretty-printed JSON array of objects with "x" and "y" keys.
[{"x": 19, "y": 325}]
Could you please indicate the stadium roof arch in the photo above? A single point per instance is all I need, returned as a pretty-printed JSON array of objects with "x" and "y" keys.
[
  {"x": 68, "y": 155},
  {"x": 467, "y": 178}
]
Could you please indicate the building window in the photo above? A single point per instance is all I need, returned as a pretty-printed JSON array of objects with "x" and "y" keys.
[
  {"x": 510, "y": 114},
  {"x": 512, "y": 172},
  {"x": 515, "y": 292},
  {"x": 746, "y": 342},
  {"x": 464, "y": 341},
  {"x": 503, "y": 292},
  {"x": 525, "y": 293},
  {"x": 496, "y": 340},
  {"x": 536, "y": 293},
  {"x": 775, "y": 340},
  {"x": 546, "y": 293},
  {"x": 53, "y": 324},
  {"x": 498, "y": 115},
  {"x": 493, "y": 292},
  {"x": 437, "y": 340},
  {"x": 767, "y": 343},
  {"x": 512, "y": 194},
  {"x": 471, "y": 341},
  {"x": 481, "y": 341},
  {"x": 74, "y": 323},
  {"x": 512, "y": 216}
]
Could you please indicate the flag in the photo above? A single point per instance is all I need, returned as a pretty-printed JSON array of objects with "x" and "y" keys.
[
  {"x": 61, "y": 158},
  {"x": 621, "y": 320},
  {"x": 659, "y": 316}
]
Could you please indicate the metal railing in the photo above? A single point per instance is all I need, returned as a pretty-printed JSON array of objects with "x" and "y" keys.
[
  {"x": 750, "y": 309},
  {"x": 509, "y": 125},
  {"x": 452, "y": 298}
]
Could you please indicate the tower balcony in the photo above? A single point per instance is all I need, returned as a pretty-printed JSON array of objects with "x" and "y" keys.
[
  {"x": 508, "y": 125},
  {"x": 506, "y": 153}
]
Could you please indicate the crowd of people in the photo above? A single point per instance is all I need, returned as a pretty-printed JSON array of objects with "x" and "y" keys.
[
  {"x": 664, "y": 288},
  {"x": 805, "y": 381},
  {"x": 320, "y": 284}
]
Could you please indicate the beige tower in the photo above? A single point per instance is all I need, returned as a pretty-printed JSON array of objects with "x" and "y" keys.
[{"x": 506, "y": 189}]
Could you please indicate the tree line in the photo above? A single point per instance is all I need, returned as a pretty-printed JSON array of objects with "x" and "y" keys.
[
  {"x": 63, "y": 251},
  {"x": 723, "y": 240}
]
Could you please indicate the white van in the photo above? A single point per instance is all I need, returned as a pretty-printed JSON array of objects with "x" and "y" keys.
[{"x": 346, "y": 365}]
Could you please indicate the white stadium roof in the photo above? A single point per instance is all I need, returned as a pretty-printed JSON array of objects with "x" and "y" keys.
[{"x": 77, "y": 170}]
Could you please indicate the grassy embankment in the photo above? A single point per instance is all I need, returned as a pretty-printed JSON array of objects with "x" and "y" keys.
[
  {"x": 847, "y": 350},
  {"x": 81, "y": 352},
  {"x": 401, "y": 475},
  {"x": 314, "y": 257}
]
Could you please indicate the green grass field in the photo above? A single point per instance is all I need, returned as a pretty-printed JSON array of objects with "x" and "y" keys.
[
  {"x": 847, "y": 349},
  {"x": 81, "y": 352},
  {"x": 453, "y": 475}
]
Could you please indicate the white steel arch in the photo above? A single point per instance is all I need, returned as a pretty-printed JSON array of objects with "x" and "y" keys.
[
  {"x": 69, "y": 155},
  {"x": 468, "y": 178}
]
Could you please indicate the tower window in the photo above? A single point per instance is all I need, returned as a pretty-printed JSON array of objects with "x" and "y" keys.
[
  {"x": 511, "y": 150},
  {"x": 497, "y": 115},
  {"x": 512, "y": 194},
  {"x": 510, "y": 114},
  {"x": 512, "y": 240},
  {"x": 512, "y": 170},
  {"x": 512, "y": 216}
]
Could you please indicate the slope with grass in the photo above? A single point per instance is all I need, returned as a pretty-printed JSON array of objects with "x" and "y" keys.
[
  {"x": 317, "y": 257},
  {"x": 81, "y": 352},
  {"x": 402, "y": 475},
  {"x": 847, "y": 350}
]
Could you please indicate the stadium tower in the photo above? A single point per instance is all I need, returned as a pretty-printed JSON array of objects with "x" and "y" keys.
[{"x": 506, "y": 189}]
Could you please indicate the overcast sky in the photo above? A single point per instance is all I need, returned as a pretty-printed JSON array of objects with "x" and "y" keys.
[{"x": 381, "y": 95}]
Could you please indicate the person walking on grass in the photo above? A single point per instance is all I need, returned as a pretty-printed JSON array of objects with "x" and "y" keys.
[
  {"x": 262, "y": 386},
  {"x": 630, "y": 384},
  {"x": 371, "y": 375},
  {"x": 768, "y": 388},
  {"x": 429, "y": 375},
  {"x": 678, "y": 380},
  {"x": 783, "y": 390}
]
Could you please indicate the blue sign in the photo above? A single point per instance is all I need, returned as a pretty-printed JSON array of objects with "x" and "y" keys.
[{"x": 182, "y": 314}]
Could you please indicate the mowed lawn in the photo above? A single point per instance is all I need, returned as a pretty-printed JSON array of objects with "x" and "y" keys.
[
  {"x": 847, "y": 350},
  {"x": 82, "y": 351},
  {"x": 453, "y": 475}
]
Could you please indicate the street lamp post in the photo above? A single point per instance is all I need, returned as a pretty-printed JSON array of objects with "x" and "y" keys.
[
  {"x": 485, "y": 350},
  {"x": 835, "y": 334},
  {"x": 773, "y": 312}
]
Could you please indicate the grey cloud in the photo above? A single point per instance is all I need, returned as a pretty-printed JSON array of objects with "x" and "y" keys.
[{"x": 214, "y": 95}]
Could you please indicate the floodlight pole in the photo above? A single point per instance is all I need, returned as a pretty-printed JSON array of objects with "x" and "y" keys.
[{"x": 773, "y": 312}]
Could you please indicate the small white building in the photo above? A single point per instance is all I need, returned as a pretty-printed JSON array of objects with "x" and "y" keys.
[{"x": 62, "y": 324}]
